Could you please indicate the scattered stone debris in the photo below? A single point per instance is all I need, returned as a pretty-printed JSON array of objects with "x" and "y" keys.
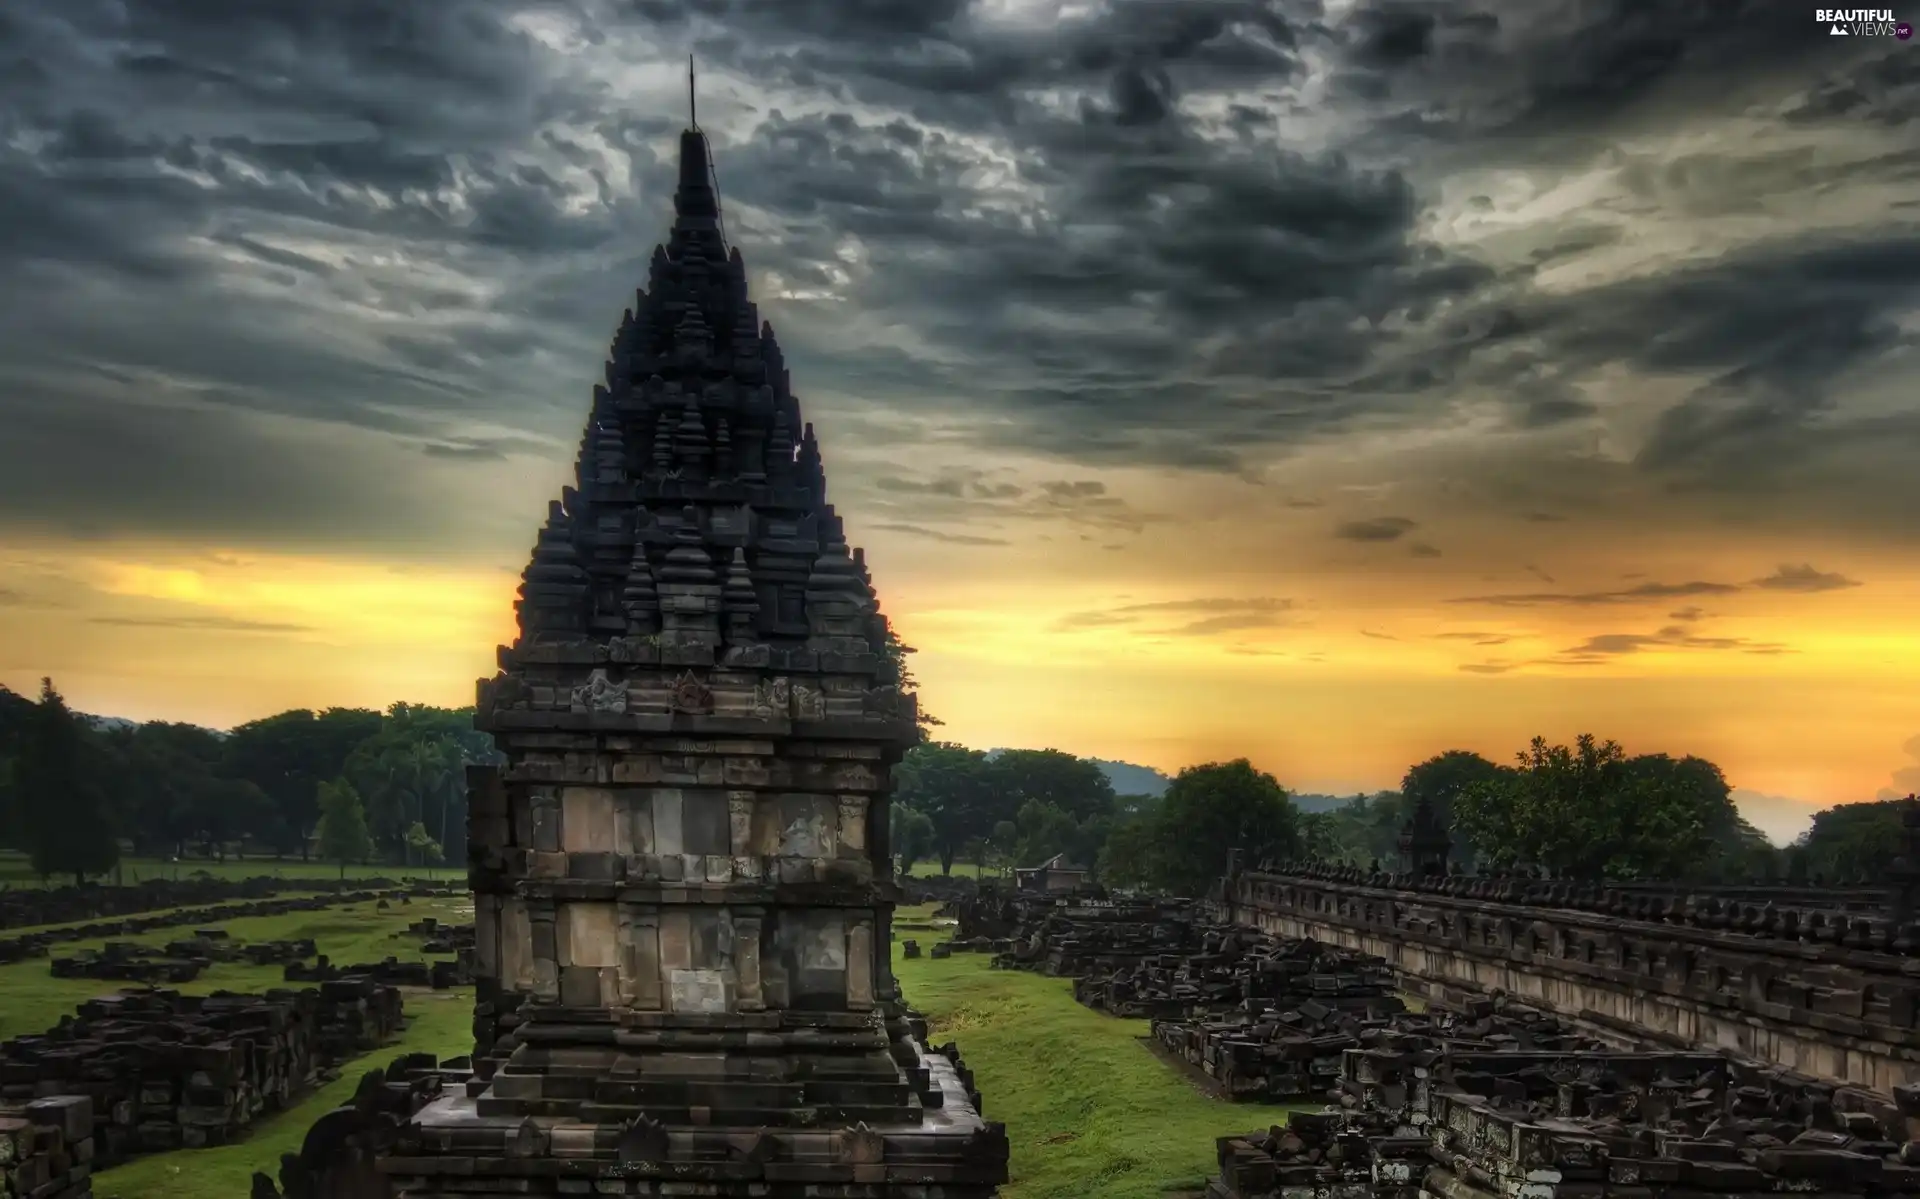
[
  {"x": 37, "y": 943},
  {"x": 163, "y": 1071},
  {"x": 1432, "y": 1115}
]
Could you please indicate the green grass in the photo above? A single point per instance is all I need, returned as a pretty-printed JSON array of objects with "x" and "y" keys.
[
  {"x": 1090, "y": 1112},
  {"x": 16, "y": 871},
  {"x": 442, "y": 1024},
  {"x": 931, "y": 869},
  {"x": 32, "y": 1000}
]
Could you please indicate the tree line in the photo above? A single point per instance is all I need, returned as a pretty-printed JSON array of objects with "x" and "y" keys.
[
  {"x": 1586, "y": 811},
  {"x": 351, "y": 785}
]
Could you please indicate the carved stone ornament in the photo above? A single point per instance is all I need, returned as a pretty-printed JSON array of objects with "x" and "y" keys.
[
  {"x": 691, "y": 695},
  {"x": 600, "y": 694}
]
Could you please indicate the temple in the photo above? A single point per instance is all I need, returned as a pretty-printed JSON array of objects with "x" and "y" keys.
[{"x": 682, "y": 880}]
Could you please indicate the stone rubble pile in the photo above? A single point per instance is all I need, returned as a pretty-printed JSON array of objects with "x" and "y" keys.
[
  {"x": 177, "y": 961},
  {"x": 1293, "y": 1049},
  {"x": 46, "y": 1148},
  {"x": 392, "y": 971},
  {"x": 339, "y": 1157},
  {"x": 166, "y": 1071},
  {"x": 1433, "y": 1113},
  {"x": 436, "y": 937}
]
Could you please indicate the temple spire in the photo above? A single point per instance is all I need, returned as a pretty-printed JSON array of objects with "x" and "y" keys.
[{"x": 693, "y": 111}]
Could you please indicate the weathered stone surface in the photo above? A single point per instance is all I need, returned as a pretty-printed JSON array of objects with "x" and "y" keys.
[
  {"x": 1822, "y": 991},
  {"x": 1439, "y": 1114}
]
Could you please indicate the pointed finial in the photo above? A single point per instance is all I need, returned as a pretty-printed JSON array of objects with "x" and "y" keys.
[{"x": 693, "y": 113}]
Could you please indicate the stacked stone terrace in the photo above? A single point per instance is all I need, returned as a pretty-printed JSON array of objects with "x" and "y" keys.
[
  {"x": 1823, "y": 991},
  {"x": 1419, "y": 1115},
  {"x": 682, "y": 880}
]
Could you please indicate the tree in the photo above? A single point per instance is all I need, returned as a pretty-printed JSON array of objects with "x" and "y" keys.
[
  {"x": 16, "y": 715},
  {"x": 1440, "y": 779},
  {"x": 343, "y": 825},
  {"x": 1213, "y": 809},
  {"x": 420, "y": 843},
  {"x": 62, "y": 808},
  {"x": 1131, "y": 855},
  {"x": 912, "y": 836},
  {"x": 1850, "y": 841},
  {"x": 222, "y": 810},
  {"x": 288, "y": 756},
  {"x": 1052, "y": 777},
  {"x": 896, "y": 652},
  {"x": 953, "y": 787},
  {"x": 1591, "y": 812},
  {"x": 1042, "y": 830}
]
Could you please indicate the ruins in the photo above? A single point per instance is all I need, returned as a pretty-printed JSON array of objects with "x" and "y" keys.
[{"x": 681, "y": 875}]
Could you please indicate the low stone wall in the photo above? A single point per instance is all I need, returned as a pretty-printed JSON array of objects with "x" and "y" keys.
[
  {"x": 46, "y": 1148},
  {"x": 165, "y": 1071},
  {"x": 1826, "y": 994}
]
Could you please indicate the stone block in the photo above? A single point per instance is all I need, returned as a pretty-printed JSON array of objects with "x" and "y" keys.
[
  {"x": 697, "y": 991},
  {"x": 587, "y": 820},
  {"x": 668, "y": 806}
]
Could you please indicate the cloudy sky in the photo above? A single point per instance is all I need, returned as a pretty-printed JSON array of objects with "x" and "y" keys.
[{"x": 1329, "y": 383}]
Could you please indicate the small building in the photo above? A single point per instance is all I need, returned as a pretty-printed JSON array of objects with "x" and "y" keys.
[{"x": 1054, "y": 876}]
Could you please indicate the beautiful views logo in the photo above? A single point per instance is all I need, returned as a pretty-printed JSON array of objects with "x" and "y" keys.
[{"x": 1862, "y": 22}]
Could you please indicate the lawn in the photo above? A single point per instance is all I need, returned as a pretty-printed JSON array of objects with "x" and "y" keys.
[
  {"x": 930, "y": 868},
  {"x": 1090, "y": 1112},
  {"x": 32, "y": 1000},
  {"x": 16, "y": 871}
]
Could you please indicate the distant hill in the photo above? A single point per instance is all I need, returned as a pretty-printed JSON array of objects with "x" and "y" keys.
[
  {"x": 1129, "y": 779},
  {"x": 1323, "y": 803}
]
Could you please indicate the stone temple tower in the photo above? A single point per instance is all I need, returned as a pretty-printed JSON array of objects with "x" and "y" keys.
[{"x": 681, "y": 875}]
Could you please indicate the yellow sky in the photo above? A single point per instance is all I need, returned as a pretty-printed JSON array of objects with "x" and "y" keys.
[{"x": 1330, "y": 672}]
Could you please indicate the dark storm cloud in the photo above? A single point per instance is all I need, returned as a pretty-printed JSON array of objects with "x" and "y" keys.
[
  {"x": 1804, "y": 578},
  {"x": 1211, "y": 615},
  {"x": 1121, "y": 238},
  {"x": 1380, "y": 528},
  {"x": 218, "y": 624},
  {"x": 1559, "y": 69},
  {"x": 1606, "y": 645},
  {"x": 938, "y": 535},
  {"x": 1628, "y": 595}
]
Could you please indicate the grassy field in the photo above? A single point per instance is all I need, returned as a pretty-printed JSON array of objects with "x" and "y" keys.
[
  {"x": 32, "y": 1000},
  {"x": 1090, "y": 1112},
  {"x": 931, "y": 869},
  {"x": 16, "y": 871}
]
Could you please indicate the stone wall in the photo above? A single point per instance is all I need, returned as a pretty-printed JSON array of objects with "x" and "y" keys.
[{"x": 1821, "y": 992}]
